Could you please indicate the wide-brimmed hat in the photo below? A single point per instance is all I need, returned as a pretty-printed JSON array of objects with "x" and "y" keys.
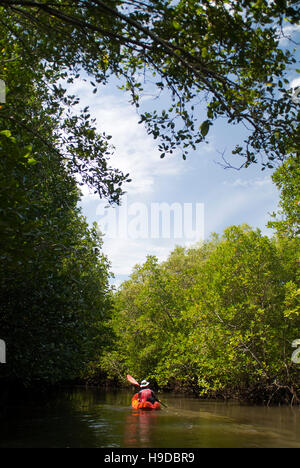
[{"x": 144, "y": 383}]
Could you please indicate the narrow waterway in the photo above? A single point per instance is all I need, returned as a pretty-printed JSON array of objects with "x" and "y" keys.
[{"x": 92, "y": 418}]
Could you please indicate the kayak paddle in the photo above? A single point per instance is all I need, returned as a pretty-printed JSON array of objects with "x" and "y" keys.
[
  {"x": 132, "y": 380},
  {"x": 162, "y": 403}
]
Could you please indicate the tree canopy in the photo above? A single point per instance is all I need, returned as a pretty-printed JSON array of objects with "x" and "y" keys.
[
  {"x": 287, "y": 180},
  {"x": 218, "y": 59}
]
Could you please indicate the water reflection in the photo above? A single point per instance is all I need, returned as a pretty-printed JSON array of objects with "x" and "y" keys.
[
  {"x": 140, "y": 425},
  {"x": 93, "y": 418}
]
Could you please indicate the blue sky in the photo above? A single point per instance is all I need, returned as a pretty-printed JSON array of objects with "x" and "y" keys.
[{"x": 228, "y": 196}]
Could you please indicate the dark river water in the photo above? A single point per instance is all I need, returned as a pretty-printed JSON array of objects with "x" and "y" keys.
[{"x": 92, "y": 418}]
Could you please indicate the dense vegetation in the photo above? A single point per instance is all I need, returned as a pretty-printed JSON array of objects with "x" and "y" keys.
[
  {"x": 53, "y": 278},
  {"x": 217, "y": 318}
]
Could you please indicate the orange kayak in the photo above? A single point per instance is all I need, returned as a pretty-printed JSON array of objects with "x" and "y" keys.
[{"x": 144, "y": 406}]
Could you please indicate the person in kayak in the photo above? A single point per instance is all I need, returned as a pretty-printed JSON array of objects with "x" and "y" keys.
[{"x": 146, "y": 394}]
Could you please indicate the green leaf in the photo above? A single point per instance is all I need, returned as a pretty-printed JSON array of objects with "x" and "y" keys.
[
  {"x": 204, "y": 52},
  {"x": 204, "y": 127},
  {"x": 6, "y": 133},
  {"x": 32, "y": 161},
  {"x": 176, "y": 25}
]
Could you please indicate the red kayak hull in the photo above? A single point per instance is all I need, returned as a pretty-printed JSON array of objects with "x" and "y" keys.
[{"x": 144, "y": 406}]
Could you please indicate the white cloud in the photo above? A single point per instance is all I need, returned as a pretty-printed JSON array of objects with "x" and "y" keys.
[
  {"x": 295, "y": 83},
  {"x": 287, "y": 33},
  {"x": 250, "y": 183},
  {"x": 124, "y": 254},
  {"x": 136, "y": 152},
  {"x": 88, "y": 194},
  {"x": 242, "y": 201}
]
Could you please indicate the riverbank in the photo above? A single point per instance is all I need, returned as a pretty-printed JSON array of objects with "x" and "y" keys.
[
  {"x": 262, "y": 393},
  {"x": 268, "y": 396}
]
